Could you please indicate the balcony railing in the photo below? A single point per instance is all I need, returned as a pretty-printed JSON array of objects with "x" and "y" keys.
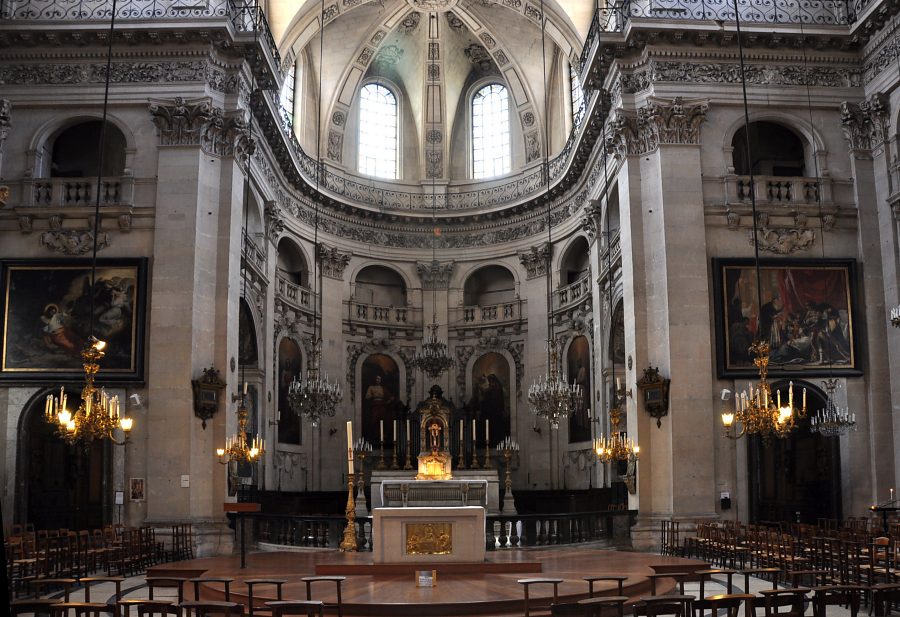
[
  {"x": 572, "y": 294},
  {"x": 778, "y": 190},
  {"x": 489, "y": 314},
  {"x": 74, "y": 192},
  {"x": 386, "y": 315},
  {"x": 293, "y": 294},
  {"x": 610, "y": 254},
  {"x": 254, "y": 255}
]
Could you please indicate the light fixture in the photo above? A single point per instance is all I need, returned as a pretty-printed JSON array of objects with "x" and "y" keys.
[
  {"x": 895, "y": 316},
  {"x": 97, "y": 415},
  {"x": 314, "y": 397},
  {"x": 756, "y": 410},
  {"x": 238, "y": 448},
  {"x": 832, "y": 421},
  {"x": 616, "y": 446},
  {"x": 550, "y": 396}
]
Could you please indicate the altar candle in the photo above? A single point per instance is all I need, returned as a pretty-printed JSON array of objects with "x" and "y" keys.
[
  {"x": 618, "y": 383},
  {"x": 381, "y": 430},
  {"x": 394, "y": 434},
  {"x": 245, "y": 388},
  {"x": 487, "y": 431},
  {"x": 350, "y": 446},
  {"x": 473, "y": 431},
  {"x": 804, "y": 398},
  {"x": 408, "y": 440},
  {"x": 460, "y": 432}
]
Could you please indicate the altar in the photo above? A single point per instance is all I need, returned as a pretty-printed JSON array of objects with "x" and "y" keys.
[{"x": 428, "y": 535}]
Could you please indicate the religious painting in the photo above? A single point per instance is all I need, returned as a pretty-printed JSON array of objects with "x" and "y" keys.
[
  {"x": 137, "y": 489},
  {"x": 804, "y": 309},
  {"x": 380, "y": 398},
  {"x": 490, "y": 396},
  {"x": 50, "y": 309},
  {"x": 578, "y": 363},
  {"x": 290, "y": 367},
  {"x": 248, "y": 353}
]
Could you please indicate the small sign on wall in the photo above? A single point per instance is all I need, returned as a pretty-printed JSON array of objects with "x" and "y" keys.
[{"x": 426, "y": 578}]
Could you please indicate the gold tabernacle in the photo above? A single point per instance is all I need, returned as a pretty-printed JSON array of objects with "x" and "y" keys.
[{"x": 429, "y": 538}]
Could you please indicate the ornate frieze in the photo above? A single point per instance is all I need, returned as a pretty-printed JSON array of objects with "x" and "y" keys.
[
  {"x": 536, "y": 260},
  {"x": 783, "y": 241},
  {"x": 656, "y": 123},
  {"x": 435, "y": 275},
  {"x": 865, "y": 124},
  {"x": 590, "y": 218},
  {"x": 274, "y": 221},
  {"x": 195, "y": 122},
  {"x": 5, "y": 115},
  {"x": 333, "y": 262},
  {"x": 73, "y": 241}
]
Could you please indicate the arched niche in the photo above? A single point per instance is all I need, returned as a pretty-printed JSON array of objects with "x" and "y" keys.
[
  {"x": 73, "y": 151},
  {"x": 292, "y": 264},
  {"x": 253, "y": 215},
  {"x": 290, "y": 367},
  {"x": 248, "y": 347},
  {"x": 379, "y": 398},
  {"x": 576, "y": 261},
  {"x": 489, "y": 285},
  {"x": 491, "y": 385},
  {"x": 379, "y": 285},
  {"x": 578, "y": 371},
  {"x": 776, "y": 150}
]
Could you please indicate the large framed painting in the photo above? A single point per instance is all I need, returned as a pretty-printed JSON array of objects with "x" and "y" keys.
[
  {"x": 805, "y": 309},
  {"x": 46, "y": 318}
]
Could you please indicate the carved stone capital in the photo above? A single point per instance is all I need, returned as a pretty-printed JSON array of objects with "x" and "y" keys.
[
  {"x": 73, "y": 241},
  {"x": 865, "y": 124},
  {"x": 435, "y": 275},
  {"x": 26, "y": 223},
  {"x": 274, "y": 221},
  {"x": 658, "y": 122},
  {"x": 895, "y": 209},
  {"x": 536, "y": 260},
  {"x": 195, "y": 122},
  {"x": 333, "y": 262},
  {"x": 590, "y": 218}
]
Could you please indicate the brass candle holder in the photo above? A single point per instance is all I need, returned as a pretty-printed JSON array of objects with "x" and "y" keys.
[
  {"x": 487, "y": 456},
  {"x": 348, "y": 543},
  {"x": 395, "y": 464},
  {"x": 408, "y": 464},
  {"x": 381, "y": 464}
]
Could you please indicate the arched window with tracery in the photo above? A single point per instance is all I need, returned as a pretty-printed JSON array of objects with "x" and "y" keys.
[
  {"x": 491, "y": 152},
  {"x": 377, "y": 132}
]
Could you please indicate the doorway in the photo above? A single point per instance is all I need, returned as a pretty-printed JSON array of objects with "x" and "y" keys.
[{"x": 796, "y": 479}]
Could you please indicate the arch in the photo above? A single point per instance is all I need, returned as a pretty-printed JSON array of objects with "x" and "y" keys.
[
  {"x": 253, "y": 215},
  {"x": 482, "y": 394},
  {"x": 377, "y": 283},
  {"x": 490, "y": 144},
  {"x": 776, "y": 150},
  {"x": 47, "y": 132},
  {"x": 291, "y": 262},
  {"x": 248, "y": 339},
  {"x": 378, "y": 130},
  {"x": 615, "y": 347},
  {"x": 464, "y": 272},
  {"x": 290, "y": 367},
  {"x": 488, "y": 285},
  {"x": 380, "y": 382},
  {"x": 579, "y": 368},
  {"x": 574, "y": 261},
  {"x": 815, "y": 145}
]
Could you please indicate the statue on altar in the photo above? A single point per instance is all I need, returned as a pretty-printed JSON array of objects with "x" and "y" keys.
[{"x": 435, "y": 460}]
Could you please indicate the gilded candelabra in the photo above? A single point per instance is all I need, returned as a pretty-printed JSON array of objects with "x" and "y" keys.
[
  {"x": 237, "y": 447},
  {"x": 507, "y": 448},
  {"x": 348, "y": 543},
  {"x": 381, "y": 464},
  {"x": 616, "y": 446}
]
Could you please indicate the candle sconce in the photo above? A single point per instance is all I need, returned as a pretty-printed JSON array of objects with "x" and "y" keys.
[
  {"x": 207, "y": 391},
  {"x": 655, "y": 393}
]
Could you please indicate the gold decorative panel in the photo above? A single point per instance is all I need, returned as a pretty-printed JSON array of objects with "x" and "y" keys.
[{"x": 429, "y": 538}]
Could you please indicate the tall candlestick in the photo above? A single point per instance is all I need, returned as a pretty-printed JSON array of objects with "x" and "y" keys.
[
  {"x": 474, "y": 440},
  {"x": 394, "y": 434},
  {"x": 408, "y": 435},
  {"x": 245, "y": 388},
  {"x": 487, "y": 431},
  {"x": 350, "y": 446},
  {"x": 460, "y": 432},
  {"x": 381, "y": 430}
]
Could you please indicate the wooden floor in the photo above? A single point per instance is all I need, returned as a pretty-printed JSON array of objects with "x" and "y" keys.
[{"x": 490, "y": 590}]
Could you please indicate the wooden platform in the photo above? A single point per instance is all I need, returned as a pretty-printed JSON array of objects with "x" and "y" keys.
[{"x": 489, "y": 590}]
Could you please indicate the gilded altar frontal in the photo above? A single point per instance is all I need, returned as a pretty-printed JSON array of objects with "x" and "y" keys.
[{"x": 429, "y": 538}]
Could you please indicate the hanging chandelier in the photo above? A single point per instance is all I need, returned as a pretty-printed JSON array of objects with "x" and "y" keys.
[
  {"x": 97, "y": 416},
  {"x": 757, "y": 411},
  {"x": 434, "y": 358},
  {"x": 616, "y": 446},
  {"x": 314, "y": 397},
  {"x": 895, "y": 316},
  {"x": 832, "y": 421},
  {"x": 550, "y": 396},
  {"x": 238, "y": 448}
]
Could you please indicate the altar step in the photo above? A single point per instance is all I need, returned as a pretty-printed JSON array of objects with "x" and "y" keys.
[{"x": 487, "y": 567}]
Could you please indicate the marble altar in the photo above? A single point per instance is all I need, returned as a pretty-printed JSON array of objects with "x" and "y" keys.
[{"x": 428, "y": 535}]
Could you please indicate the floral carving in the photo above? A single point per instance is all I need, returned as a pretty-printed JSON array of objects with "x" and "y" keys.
[
  {"x": 656, "y": 123},
  {"x": 335, "y": 145},
  {"x": 435, "y": 275},
  {"x": 783, "y": 241},
  {"x": 488, "y": 40},
  {"x": 410, "y": 22},
  {"x": 865, "y": 124},
  {"x": 333, "y": 262},
  {"x": 73, "y": 241},
  {"x": 536, "y": 260},
  {"x": 388, "y": 56}
]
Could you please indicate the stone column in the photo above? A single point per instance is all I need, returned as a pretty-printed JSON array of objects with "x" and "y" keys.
[
  {"x": 274, "y": 227},
  {"x": 865, "y": 128},
  {"x": 666, "y": 301},
  {"x": 540, "y": 464},
  {"x": 194, "y": 311},
  {"x": 591, "y": 222}
]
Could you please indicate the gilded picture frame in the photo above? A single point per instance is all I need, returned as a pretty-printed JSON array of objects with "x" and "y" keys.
[
  {"x": 806, "y": 311},
  {"x": 46, "y": 319}
]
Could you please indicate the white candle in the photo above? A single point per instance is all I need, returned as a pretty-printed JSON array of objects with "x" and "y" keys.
[
  {"x": 408, "y": 436},
  {"x": 350, "y": 444},
  {"x": 804, "y": 398},
  {"x": 460, "y": 432},
  {"x": 381, "y": 430},
  {"x": 473, "y": 431},
  {"x": 618, "y": 383},
  {"x": 245, "y": 388},
  {"x": 487, "y": 431},
  {"x": 394, "y": 434}
]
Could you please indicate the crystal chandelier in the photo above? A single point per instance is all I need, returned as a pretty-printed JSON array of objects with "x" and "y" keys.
[
  {"x": 616, "y": 446},
  {"x": 832, "y": 421},
  {"x": 895, "y": 316},
  {"x": 237, "y": 447},
  {"x": 314, "y": 396},
  {"x": 97, "y": 416},
  {"x": 434, "y": 357},
  {"x": 757, "y": 411},
  {"x": 550, "y": 396}
]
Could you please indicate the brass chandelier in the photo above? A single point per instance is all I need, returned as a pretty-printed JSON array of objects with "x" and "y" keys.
[
  {"x": 434, "y": 358},
  {"x": 237, "y": 447},
  {"x": 757, "y": 411},
  {"x": 616, "y": 446},
  {"x": 314, "y": 396},
  {"x": 97, "y": 415}
]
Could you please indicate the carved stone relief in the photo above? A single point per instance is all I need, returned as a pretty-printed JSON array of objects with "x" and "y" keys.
[
  {"x": 410, "y": 22},
  {"x": 783, "y": 241},
  {"x": 536, "y": 260},
  {"x": 73, "y": 241},
  {"x": 196, "y": 122},
  {"x": 335, "y": 145},
  {"x": 865, "y": 124},
  {"x": 435, "y": 275},
  {"x": 677, "y": 122},
  {"x": 388, "y": 56},
  {"x": 333, "y": 262}
]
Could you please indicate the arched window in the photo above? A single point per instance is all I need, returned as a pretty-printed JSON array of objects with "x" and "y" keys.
[
  {"x": 288, "y": 93},
  {"x": 490, "y": 132},
  {"x": 377, "y": 132},
  {"x": 577, "y": 95}
]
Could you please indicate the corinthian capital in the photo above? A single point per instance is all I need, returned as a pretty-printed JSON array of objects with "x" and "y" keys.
[{"x": 865, "y": 124}]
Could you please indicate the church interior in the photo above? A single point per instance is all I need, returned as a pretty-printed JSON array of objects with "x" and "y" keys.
[{"x": 450, "y": 307}]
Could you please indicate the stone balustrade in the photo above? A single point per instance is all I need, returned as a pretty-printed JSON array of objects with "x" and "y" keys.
[
  {"x": 295, "y": 295},
  {"x": 385, "y": 315},
  {"x": 492, "y": 313},
  {"x": 574, "y": 293},
  {"x": 79, "y": 192},
  {"x": 780, "y": 190}
]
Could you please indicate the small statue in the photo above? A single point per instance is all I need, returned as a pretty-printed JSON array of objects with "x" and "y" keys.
[{"x": 435, "y": 430}]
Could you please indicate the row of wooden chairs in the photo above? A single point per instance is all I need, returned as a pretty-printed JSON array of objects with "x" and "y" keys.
[{"x": 160, "y": 608}]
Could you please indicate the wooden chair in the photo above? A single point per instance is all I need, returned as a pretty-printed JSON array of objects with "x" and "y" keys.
[
  {"x": 162, "y": 582},
  {"x": 226, "y": 582},
  {"x": 82, "y": 609},
  {"x": 706, "y": 575},
  {"x": 678, "y": 576},
  {"x": 608, "y": 605},
  {"x": 619, "y": 580},
  {"x": 836, "y": 595},
  {"x": 99, "y": 580},
  {"x": 337, "y": 580},
  {"x": 202, "y": 609},
  {"x": 528, "y": 582},
  {"x": 145, "y": 606},
  {"x": 731, "y": 603},
  {"x": 884, "y": 597},
  {"x": 760, "y": 573},
  {"x": 251, "y": 583},
  {"x": 297, "y": 607},
  {"x": 36, "y": 607},
  {"x": 792, "y": 600},
  {"x": 40, "y": 584},
  {"x": 668, "y": 605}
]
